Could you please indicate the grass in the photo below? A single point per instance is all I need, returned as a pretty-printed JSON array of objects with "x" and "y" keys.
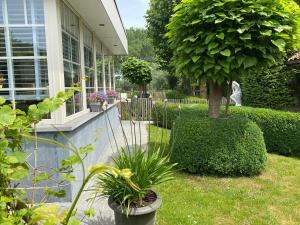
[{"x": 273, "y": 198}]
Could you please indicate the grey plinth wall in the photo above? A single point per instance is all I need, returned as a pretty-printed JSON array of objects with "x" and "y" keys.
[{"x": 95, "y": 130}]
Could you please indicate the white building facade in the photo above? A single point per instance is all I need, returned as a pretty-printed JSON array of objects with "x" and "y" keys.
[{"x": 46, "y": 46}]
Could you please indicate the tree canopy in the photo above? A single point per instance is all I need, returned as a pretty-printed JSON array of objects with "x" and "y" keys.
[
  {"x": 137, "y": 71},
  {"x": 158, "y": 16},
  {"x": 140, "y": 45},
  {"x": 217, "y": 40}
]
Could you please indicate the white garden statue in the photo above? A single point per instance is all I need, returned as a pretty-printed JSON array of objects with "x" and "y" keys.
[{"x": 236, "y": 94}]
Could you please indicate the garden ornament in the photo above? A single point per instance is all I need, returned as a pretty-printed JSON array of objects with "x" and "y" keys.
[{"x": 236, "y": 94}]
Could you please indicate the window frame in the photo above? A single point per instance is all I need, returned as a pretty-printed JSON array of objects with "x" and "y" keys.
[{"x": 12, "y": 89}]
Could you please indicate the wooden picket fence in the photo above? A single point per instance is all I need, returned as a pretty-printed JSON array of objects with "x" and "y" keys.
[{"x": 137, "y": 109}]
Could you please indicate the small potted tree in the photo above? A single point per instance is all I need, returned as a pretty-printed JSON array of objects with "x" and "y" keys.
[
  {"x": 138, "y": 72},
  {"x": 96, "y": 101},
  {"x": 111, "y": 96},
  {"x": 135, "y": 204}
]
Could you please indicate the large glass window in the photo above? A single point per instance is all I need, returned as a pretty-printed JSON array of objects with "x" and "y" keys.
[
  {"x": 89, "y": 61},
  {"x": 99, "y": 67},
  {"x": 23, "y": 61},
  {"x": 107, "y": 71},
  {"x": 71, "y": 49}
]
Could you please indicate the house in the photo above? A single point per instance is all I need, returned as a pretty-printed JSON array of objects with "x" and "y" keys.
[{"x": 48, "y": 45}]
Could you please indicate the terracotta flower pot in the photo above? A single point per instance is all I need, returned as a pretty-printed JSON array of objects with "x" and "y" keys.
[{"x": 137, "y": 216}]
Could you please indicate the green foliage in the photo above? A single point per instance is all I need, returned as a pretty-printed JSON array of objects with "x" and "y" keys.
[
  {"x": 175, "y": 94},
  {"x": 158, "y": 16},
  {"x": 281, "y": 129},
  {"x": 225, "y": 146},
  {"x": 269, "y": 88},
  {"x": 15, "y": 126},
  {"x": 149, "y": 169},
  {"x": 140, "y": 45},
  {"x": 137, "y": 71},
  {"x": 219, "y": 39}
]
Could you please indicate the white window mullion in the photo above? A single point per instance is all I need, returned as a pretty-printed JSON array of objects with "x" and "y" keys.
[
  {"x": 9, "y": 55},
  {"x": 25, "y": 12},
  {"x": 35, "y": 48}
]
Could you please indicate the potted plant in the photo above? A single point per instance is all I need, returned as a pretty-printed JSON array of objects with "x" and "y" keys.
[
  {"x": 135, "y": 204},
  {"x": 111, "y": 95},
  {"x": 96, "y": 101}
]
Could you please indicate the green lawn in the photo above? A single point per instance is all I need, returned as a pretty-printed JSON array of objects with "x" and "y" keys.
[{"x": 271, "y": 198}]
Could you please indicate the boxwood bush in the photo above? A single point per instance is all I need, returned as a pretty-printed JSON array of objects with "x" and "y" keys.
[
  {"x": 231, "y": 146},
  {"x": 281, "y": 129}
]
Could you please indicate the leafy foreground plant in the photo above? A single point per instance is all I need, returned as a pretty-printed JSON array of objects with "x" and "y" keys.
[
  {"x": 15, "y": 208},
  {"x": 149, "y": 170}
]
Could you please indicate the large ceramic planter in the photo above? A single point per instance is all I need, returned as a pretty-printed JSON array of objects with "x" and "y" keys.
[
  {"x": 137, "y": 216},
  {"x": 96, "y": 106},
  {"x": 111, "y": 100}
]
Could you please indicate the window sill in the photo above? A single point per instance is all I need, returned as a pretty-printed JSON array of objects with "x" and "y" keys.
[{"x": 72, "y": 124}]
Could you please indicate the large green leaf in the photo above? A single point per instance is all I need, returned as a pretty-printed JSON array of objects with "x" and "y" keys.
[
  {"x": 2, "y": 100},
  {"x": 220, "y": 36},
  {"x": 280, "y": 44},
  {"x": 249, "y": 61},
  {"x": 7, "y": 115},
  {"x": 226, "y": 52}
]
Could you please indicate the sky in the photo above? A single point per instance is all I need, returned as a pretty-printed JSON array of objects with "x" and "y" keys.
[{"x": 133, "y": 12}]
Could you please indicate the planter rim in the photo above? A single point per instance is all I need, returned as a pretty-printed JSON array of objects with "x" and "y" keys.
[{"x": 136, "y": 211}]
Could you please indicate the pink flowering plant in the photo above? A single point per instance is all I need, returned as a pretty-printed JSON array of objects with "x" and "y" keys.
[
  {"x": 112, "y": 93},
  {"x": 99, "y": 96}
]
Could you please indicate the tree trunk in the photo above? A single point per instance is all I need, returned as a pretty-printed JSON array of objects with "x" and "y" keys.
[
  {"x": 203, "y": 89},
  {"x": 215, "y": 98}
]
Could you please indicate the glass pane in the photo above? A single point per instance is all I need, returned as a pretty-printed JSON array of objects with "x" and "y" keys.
[
  {"x": 4, "y": 83},
  {"x": 28, "y": 71},
  {"x": 72, "y": 73},
  {"x": 1, "y": 12},
  {"x": 21, "y": 41},
  {"x": 75, "y": 50},
  {"x": 107, "y": 73},
  {"x": 2, "y": 42},
  {"x": 15, "y": 11},
  {"x": 24, "y": 40},
  {"x": 70, "y": 22},
  {"x": 35, "y": 11},
  {"x": 99, "y": 72},
  {"x": 41, "y": 41},
  {"x": 87, "y": 37},
  {"x": 74, "y": 104},
  {"x": 66, "y": 46}
]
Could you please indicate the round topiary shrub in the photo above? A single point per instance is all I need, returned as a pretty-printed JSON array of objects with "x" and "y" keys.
[{"x": 225, "y": 147}]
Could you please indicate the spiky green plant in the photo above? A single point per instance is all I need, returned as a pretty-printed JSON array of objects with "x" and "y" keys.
[{"x": 149, "y": 170}]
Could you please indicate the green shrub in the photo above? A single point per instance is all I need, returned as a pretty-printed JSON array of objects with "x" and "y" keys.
[
  {"x": 268, "y": 88},
  {"x": 281, "y": 129},
  {"x": 174, "y": 94},
  {"x": 226, "y": 146}
]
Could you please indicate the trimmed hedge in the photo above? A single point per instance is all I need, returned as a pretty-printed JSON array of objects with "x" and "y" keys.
[
  {"x": 281, "y": 129},
  {"x": 231, "y": 146},
  {"x": 269, "y": 88}
]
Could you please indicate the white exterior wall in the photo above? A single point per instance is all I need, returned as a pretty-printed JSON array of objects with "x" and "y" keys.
[{"x": 55, "y": 54}]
